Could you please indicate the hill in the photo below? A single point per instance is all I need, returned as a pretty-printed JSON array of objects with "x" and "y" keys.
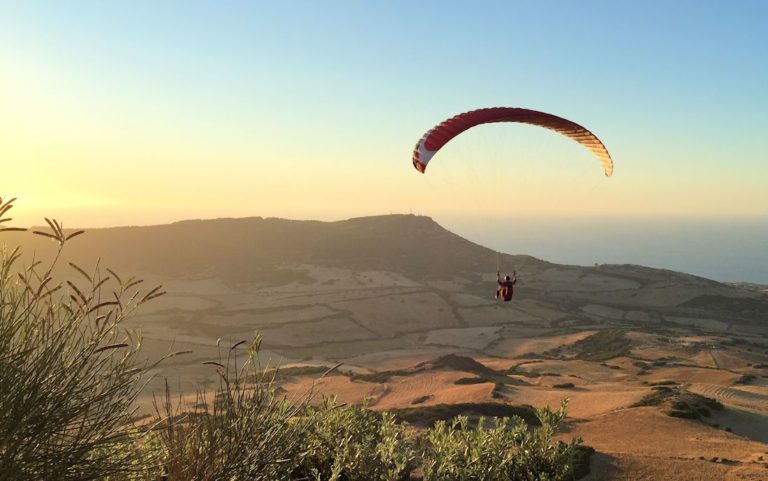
[{"x": 249, "y": 249}]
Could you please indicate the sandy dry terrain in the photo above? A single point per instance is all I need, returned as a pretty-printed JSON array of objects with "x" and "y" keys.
[
  {"x": 584, "y": 402},
  {"x": 642, "y": 444},
  {"x": 692, "y": 374}
]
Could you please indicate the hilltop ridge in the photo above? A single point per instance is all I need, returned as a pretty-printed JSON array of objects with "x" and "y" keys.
[{"x": 234, "y": 247}]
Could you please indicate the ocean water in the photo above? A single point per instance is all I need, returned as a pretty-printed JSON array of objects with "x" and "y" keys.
[{"x": 728, "y": 250}]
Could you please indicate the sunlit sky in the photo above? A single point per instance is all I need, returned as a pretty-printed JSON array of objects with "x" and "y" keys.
[{"x": 143, "y": 112}]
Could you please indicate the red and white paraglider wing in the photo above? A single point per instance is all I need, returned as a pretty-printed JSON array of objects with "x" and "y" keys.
[
  {"x": 437, "y": 137},
  {"x": 422, "y": 156}
]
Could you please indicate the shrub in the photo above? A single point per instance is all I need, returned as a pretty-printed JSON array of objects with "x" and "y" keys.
[
  {"x": 713, "y": 404},
  {"x": 353, "y": 443},
  {"x": 474, "y": 380},
  {"x": 682, "y": 413},
  {"x": 565, "y": 385},
  {"x": 745, "y": 379},
  {"x": 603, "y": 345},
  {"x": 582, "y": 455},
  {"x": 658, "y": 396},
  {"x": 506, "y": 451},
  {"x": 664, "y": 383}
]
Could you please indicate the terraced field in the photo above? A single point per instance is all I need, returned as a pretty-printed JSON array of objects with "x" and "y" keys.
[{"x": 731, "y": 395}]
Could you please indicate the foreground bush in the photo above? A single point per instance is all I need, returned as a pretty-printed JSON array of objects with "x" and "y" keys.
[
  {"x": 68, "y": 372},
  {"x": 353, "y": 443},
  {"x": 506, "y": 451}
]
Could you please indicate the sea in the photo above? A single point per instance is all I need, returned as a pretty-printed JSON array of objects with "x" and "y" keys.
[{"x": 722, "y": 249}]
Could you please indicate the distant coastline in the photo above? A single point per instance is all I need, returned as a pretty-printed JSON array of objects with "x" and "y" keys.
[{"x": 726, "y": 250}]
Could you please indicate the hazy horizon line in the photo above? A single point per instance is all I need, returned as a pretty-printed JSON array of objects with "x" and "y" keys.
[{"x": 527, "y": 217}]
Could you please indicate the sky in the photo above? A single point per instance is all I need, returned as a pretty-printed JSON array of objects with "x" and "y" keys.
[{"x": 146, "y": 112}]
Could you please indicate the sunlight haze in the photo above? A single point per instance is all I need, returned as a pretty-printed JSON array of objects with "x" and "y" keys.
[{"x": 143, "y": 113}]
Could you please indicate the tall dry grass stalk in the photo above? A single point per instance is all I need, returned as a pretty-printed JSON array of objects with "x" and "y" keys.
[
  {"x": 242, "y": 431},
  {"x": 69, "y": 372}
]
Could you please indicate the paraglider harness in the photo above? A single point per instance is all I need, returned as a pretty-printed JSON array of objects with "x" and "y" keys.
[{"x": 505, "y": 290}]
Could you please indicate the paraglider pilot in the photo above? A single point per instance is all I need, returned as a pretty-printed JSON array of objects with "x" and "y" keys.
[{"x": 505, "y": 289}]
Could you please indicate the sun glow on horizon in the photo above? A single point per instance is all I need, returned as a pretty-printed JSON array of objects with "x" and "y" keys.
[{"x": 232, "y": 113}]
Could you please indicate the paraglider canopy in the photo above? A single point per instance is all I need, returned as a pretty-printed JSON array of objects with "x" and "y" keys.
[{"x": 440, "y": 135}]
